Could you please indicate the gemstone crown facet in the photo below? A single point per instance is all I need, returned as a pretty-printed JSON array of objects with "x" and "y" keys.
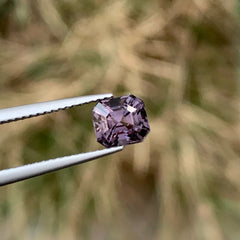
[{"x": 120, "y": 121}]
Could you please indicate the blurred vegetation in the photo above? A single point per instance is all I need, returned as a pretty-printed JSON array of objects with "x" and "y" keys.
[{"x": 182, "y": 58}]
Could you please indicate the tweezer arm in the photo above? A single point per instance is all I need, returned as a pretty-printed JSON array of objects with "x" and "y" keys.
[
  {"x": 35, "y": 169},
  {"x": 36, "y": 109}
]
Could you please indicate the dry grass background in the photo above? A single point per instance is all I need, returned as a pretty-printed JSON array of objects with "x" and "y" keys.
[{"x": 181, "y": 57}]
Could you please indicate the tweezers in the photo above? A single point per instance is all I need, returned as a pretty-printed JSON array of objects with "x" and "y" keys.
[{"x": 7, "y": 115}]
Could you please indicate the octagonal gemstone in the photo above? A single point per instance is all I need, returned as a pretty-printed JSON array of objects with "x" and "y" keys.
[{"x": 120, "y": 121}]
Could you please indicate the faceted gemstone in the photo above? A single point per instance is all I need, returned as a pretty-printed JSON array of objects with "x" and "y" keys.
[{"x": 120, "y": 121}]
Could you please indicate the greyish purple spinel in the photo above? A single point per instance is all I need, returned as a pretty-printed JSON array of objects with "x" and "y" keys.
[{"x": 120, "y": 121}]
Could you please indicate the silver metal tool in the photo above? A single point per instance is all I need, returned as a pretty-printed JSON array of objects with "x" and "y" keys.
[{"x": 35, "y": 169}]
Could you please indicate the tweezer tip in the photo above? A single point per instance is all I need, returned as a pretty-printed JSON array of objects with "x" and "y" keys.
[
  {"x": 115, "y": 149},
  {"x": 102, "y": 96},
  {"x": 107, "y": 151}
]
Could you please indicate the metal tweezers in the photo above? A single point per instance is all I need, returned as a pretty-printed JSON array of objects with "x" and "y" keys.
[{"x": 35, "y": 169}]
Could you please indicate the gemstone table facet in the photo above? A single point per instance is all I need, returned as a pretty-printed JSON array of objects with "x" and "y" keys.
[{"x": 120, "y": 121}]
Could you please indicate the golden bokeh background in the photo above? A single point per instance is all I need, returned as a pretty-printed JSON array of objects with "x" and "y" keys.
[{"x": 182, "y": 58}]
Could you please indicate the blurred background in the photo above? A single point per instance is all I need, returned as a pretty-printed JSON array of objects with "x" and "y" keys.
[{"x": 181, "y": 58}]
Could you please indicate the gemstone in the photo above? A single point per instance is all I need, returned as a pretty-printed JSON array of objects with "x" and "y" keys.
[{"x": 120, "y": 121}]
